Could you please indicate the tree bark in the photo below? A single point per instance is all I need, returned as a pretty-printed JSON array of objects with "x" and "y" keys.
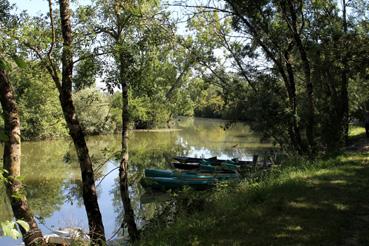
[
  {"x": 291, "y": 88},
  {"x": 310, "y": 123},
  {"x": 12, "y": 163},
  {"x": 129, "y": 217},
  {"x": 344, "y": 114},
  {"x": 96, "y": 226}
]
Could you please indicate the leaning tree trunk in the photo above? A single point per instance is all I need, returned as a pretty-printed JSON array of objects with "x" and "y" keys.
[
  {"x": 12, "y": 163},
  {"x": 89, "y": 189},
  {"x": 129, "y": 217}
]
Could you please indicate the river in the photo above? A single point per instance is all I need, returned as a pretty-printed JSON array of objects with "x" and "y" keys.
[{"x": 52, "y": 178}]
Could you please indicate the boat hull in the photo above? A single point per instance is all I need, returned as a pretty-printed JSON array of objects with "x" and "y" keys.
[{"x": 171, "y": 179}]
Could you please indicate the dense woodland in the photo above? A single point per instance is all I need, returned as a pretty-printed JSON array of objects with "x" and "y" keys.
[{"x": 296, "y": 71}]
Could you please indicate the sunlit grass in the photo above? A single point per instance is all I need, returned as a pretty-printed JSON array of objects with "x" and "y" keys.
[
  {"x": 301, "y": 204},
  {"x": 355, "y": 130}
]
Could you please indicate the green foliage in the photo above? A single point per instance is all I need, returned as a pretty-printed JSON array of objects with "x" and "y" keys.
[
  {"x": 3, "y": 136},
  {"x": 154, "y": 63},
  {"x": 207, "y": 99},
  {"x": 2, "y": 178},
  {"x": 359, "y": 104},
  {"x": 4, "y": 65},
  {"x": 21, "y": 63},
  {"x": 9, "y": 228},
  {"x": 40, "y": 113},
  {"x": 5, "y": 8},
  {"x": 259, "y": 43},
  {"x": 86, "y": 71},
  {"x": 145, "y": 112},
  {"x": 93, "y": 110}
]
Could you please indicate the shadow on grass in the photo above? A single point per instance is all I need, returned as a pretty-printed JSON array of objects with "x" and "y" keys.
[
  {"x": 355, "y": 138},
  {"x": 315, "y": 207}
]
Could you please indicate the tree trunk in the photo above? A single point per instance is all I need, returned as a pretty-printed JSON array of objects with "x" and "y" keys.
[
  {"x": 129, "y": 217},
  {"x": 291, "y": 88},
  {"x": 310, "y": 122},
  {"x": 344, "y": 114},
  {"x": 293, "y": 128},
  {"x": 96, "y": 226},
  {"x": 12, "y": 163},
  {"x": 178, "y": 81}
]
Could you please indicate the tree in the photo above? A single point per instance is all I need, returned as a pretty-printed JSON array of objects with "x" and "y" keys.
[
  {"x": 65, "y": 89},
  {"x": 12, "y": 163},
  {"x": 12, "y": 139},
  {"x": 49, "y": 52},
  {"x": 38, "y": 102},
  {"x": 301, "y": 47},
  {"x": 86, "y": 72},
  {"x": 94, "y": 111},
  {"x": 138, "y": 36},
  {"x": 116, "y": 25}
]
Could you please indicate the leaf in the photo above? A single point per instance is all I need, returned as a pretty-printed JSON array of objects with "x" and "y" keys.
[
  {"x": 19, "y": 61},
  {"x": 14, "y": 233},
  {"x": 23, "y": 224},
  {"x": 3, "y": 64},
  {"x": 9, "y": 230},
  {"x": 3, "y": 137}
]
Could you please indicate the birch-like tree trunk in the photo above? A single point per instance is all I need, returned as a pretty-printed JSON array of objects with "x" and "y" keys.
[{"x": 12, "y": 163}]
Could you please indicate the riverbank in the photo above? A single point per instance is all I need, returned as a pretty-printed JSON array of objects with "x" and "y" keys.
[
  {"x": 157, "y": 130},
  {"x": 321, "y": 203}
]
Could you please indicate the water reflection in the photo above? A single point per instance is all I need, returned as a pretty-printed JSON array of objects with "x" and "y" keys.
[{"x": 52, "y": 177}]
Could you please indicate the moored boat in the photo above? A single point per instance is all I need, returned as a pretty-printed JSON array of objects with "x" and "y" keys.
[
  {"x": 185, "y": 166},
  {"x": 221, "y": 175},
  {"x": 206, "y": 165},
  {"x": 170, "y": 179},
  {"x": 214, "y": 160}
]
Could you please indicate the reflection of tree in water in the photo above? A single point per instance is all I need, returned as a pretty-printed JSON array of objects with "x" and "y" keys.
[
  {"x": 73, "y": 191},
  {"x": 204, "y": 137},
  {"x": 153, "y": 149},
  {"x": 143, "y": 212},
  {"x": 142, "y": 156},
  {"x": 45, "y": 196},
  {"x": 44, "y": 172}
]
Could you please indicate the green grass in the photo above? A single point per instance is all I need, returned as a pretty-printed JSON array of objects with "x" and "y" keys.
[
  {"x": 322, "y": 203},
  {"x": 355, "y": 130}
]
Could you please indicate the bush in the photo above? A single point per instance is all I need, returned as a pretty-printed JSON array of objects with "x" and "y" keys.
[
  {"x": 94, "y": 111},
  {"x": 39, "y": 107}
]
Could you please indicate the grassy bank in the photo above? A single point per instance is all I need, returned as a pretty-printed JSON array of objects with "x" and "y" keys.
[{"x": 321, "y": 203}]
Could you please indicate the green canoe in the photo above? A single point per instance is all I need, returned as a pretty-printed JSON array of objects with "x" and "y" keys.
[{"x": 169, "y": 179}]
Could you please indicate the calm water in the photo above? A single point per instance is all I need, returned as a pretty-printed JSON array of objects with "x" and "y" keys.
[{"x": 52, "y": 176}]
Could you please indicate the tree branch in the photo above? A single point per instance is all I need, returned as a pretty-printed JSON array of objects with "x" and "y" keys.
[{"x": 52, "y": 30}]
